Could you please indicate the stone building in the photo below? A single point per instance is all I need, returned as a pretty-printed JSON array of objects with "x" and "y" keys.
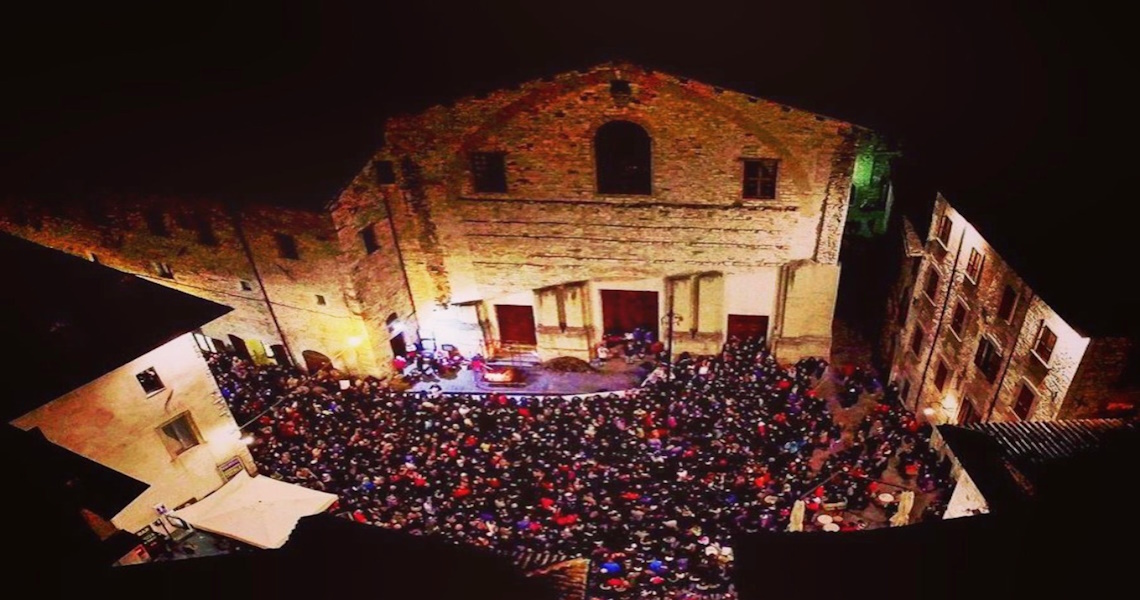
[
  {"x": 107, "y": 366},
  {"x": 594, "y": 202},
  {"x": 279, "y": 268},
  {"x": 969, "y": 339}
]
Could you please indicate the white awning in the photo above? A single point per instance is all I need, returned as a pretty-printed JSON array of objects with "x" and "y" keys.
[{"x": 259, "y": 511}]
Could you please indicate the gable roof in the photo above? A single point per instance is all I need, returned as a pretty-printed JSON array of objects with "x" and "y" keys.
[{"x": 70, "y": 321}]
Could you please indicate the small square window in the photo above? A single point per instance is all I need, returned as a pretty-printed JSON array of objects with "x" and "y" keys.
[
  {"x": 156, "y": 222},
  {"x": 940, "y": 375},
  {"x": 958, "y": 320},
  {"x": 1024, "y": 404},
  {"x": 489, "y": 172},
  {"x": 1008, "y": 304},
  {"x": 163, "y": 270},
  {"x": 180, "y": 434},
  {"x": 974, "y": 265},
  {"x": 246, "y": 286},
  {"x": 916, "y": 340},
  {"x": 321, "y": 300},
  {"x": 931, "y": 287},
  {"x": 150, "y": 381},
  {"x": 368, "y": 236},
  {"x": 286, "y": 246},
  {"x": 945, "y": 226},
  {"x": 760, "y": 178},
  {"x": 1046, "y": 340},
  {"x": 385, "y": 173},
  {"x": 91, "y": 256}
]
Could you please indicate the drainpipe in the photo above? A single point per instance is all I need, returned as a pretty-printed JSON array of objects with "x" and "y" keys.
[
  {"x": 236, "y": 216},
  {"x": 941, "y": 319},
  {"x": 400, "y": 258},
  {"x": 1008, "y": 359}
]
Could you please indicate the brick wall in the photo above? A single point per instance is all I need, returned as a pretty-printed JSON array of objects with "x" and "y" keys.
[{"x": 552, "y": 228}]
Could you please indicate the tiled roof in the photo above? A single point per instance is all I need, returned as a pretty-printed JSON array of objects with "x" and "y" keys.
[{"x": 1009, "y": 460}]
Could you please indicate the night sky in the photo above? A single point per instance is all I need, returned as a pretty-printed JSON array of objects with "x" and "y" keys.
[{"x": 283, "y": 102}]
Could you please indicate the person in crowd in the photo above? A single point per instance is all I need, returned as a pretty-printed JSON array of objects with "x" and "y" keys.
[{"x": 651, "y": 484}]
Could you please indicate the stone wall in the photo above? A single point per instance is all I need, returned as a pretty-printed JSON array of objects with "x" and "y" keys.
[
  {"x": 1049, "y": 380},
  {"x": 114, "y": 422},
  {"x": 200, "y": 241},
  {"x": 552, "y": 228}
]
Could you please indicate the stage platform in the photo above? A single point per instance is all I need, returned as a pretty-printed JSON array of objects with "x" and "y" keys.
[{"x": 614, "y": 375}]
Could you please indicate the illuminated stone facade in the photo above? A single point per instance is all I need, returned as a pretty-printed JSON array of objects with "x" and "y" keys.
[
  {"x": 232, "y": 258},
  {"x": 955, "y": 294},
  {"x": 545, "y": 234},
  {"x": 114, "y": 421}
]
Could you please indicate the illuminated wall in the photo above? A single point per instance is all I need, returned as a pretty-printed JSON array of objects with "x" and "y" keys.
[
  {"x": 312, "y": 299},
  {"x": 551, "y": 228},
  {"x": 1049, "y": 379},
  {"x": 114, "y": 422}
]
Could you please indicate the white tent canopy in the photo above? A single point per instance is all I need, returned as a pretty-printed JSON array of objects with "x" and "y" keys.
[{"x": 259, "y": 511}]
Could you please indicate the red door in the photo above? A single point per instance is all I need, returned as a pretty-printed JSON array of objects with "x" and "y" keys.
[
  {"x": 516, "y": 324},
  {"x": 747, "y": 326},
  {"x": 623, "y": 311}
]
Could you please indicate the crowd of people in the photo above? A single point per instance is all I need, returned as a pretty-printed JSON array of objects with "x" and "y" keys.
[{"x": 649, "y": 485}]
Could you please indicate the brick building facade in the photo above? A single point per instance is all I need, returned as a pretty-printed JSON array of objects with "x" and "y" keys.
[
  {"x": 969, "y": 340},
  {"x": 280, "y": 269},
  {"x": 591, "y": 202},
  {"x": 540, "y": 217}
]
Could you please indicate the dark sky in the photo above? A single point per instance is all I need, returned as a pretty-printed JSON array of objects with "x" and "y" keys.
[{"x": 284, "y": 101}]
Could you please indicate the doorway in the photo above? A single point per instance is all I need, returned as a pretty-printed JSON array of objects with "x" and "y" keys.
[
  {"x": 747, "y": 326},
  {"x": 240, "y": 348},
  {"x": 281, "y": 356},
  {"x": 399, "y": 345},
  {"x": 625, "y": 310},
  {"x": 516, "y": 324}
]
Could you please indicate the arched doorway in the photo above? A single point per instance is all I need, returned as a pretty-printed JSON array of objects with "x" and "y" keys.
[
  {"x": 399, "y": 345},
  {"x": 315, "y": 361},
  {"x": 240, "y": 348}
]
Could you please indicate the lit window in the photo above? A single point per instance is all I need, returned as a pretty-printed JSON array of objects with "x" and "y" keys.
[
  {"x": 150, "y": 381},
  {"x": 1008, "y": 303},
  {"x": 368, "y": 236},
  {"x": 1024, "y": 404},
  {"x": 1046, "y": 340},
  {"x": 286, "y": 246},
  {"x": 945, "y": 226},
  {"x": 623, "y": 161},
  {"x": 489, "y": 172},
  {"x": 321, "y": 300},
  {"x": 760, "y": 178},
  {"x": 940, "y": 375},
  {"x": 180, "y": 434},
  {"x": 958, "y": 320},
  {"x": 988, "y": 359},
  {"x": 974, "y": 266}
]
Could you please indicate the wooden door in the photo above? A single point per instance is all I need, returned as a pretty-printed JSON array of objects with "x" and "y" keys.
[
  {"x": 747, "y": 326},
  {"x": 516, "y": 324},
  {"x": 625, "y": 310}
]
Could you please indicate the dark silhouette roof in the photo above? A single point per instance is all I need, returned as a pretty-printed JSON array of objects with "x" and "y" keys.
[
  {"x": 331, "y": 557},
  {"x": 70, "y": 321},
  {"x": 1011, "y": 462}
]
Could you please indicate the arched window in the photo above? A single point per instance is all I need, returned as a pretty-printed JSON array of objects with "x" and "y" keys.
[{"x": 622, "y": 152}]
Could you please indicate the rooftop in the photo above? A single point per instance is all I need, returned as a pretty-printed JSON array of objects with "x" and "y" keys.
[{"x": 71, "y": 321}]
